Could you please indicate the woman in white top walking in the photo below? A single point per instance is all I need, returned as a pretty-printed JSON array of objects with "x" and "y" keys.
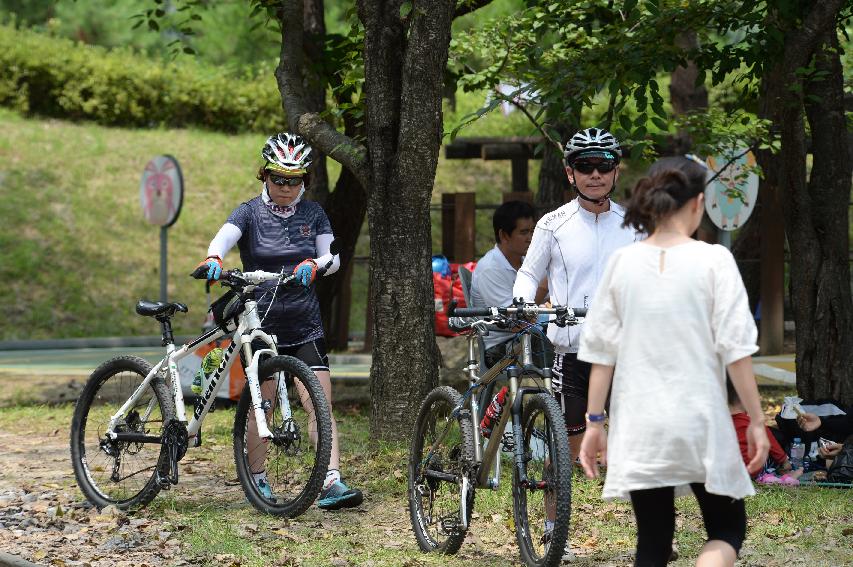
[{"x": 671, "y": 314}]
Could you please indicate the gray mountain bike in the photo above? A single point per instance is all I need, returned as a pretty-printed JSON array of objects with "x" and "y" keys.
[{"x": 450, "y": 458}]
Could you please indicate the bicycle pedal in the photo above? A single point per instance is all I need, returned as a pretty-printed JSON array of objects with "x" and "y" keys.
[{"x": 163, "y": 481}]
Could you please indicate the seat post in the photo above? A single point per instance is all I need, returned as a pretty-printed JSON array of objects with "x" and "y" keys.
[{"x": 166, "y": 325}]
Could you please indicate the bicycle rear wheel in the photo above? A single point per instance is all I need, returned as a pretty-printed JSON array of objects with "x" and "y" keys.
[
  {"x": 119, "y": 473},
  {"x": 440, "y": 458},
  {"x": 547, "y": 493},
  {"x": 295, "y": 460}
]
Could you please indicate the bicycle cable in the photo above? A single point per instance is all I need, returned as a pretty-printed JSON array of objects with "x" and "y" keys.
[{"x": 274, "y": 292}]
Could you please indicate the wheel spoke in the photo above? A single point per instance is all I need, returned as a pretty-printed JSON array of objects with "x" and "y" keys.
[
  {"x": 295, "y": 460},
  {"x": 440, "y": 456},
  {"x": 541, "y": 496},
  {"x": 118, "y": 472}
]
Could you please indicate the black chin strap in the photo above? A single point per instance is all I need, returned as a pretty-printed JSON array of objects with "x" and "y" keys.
[{"x": 600, "y": 201}]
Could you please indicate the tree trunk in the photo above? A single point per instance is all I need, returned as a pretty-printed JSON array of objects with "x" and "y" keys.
[
  {"x": 303, "y": 87},
  {"x": 404, "y": 69},
  {"x": 346, "y": 207},
  {"x": 315, "y": 90},
  {"x": 684, "y": 95},
  {"x": 553, "y": 182},
  {"x": 747, "y": 251},
  {"x": 815, "y": 214},
  {"x": 824, "y": 354}
]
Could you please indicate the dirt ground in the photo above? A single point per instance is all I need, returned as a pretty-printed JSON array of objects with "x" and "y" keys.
[{"x": 44, "y": 519}]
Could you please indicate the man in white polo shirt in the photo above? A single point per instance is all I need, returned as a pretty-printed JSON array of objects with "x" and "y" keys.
[{"x": 494, "y": 276}]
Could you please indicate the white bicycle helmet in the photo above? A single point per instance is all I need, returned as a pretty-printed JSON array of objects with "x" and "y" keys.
[
  {"x": 593, "y": 142},
  {"x": 287, "y": 153}
]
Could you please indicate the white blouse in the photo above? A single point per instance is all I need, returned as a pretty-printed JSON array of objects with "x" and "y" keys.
[{"x": 670, "y": 320}]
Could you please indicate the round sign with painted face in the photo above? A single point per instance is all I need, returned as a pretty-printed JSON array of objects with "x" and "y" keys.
[
  {"x": 730, "y": 197},
  {"x": 161, "y": 191}
]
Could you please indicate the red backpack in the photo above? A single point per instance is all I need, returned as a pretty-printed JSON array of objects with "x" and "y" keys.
[{"x": 448, "y": 287}]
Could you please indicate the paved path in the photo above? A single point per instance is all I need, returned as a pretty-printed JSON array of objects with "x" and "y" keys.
[
  {"x": 81, "y": 361},
  {"x": 771, "y": 370},
  {"x": 777, "y": 370}
]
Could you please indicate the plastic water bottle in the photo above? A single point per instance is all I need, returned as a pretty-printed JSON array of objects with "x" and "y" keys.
[
  {"x": 493, "y": 412},
  {"x": 209, "y": 363},
  {"x": 798, "y": 450}
]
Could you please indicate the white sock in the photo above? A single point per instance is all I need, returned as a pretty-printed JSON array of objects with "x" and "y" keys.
[
  {"x": 260, "y": 476},
  {"x": 333, "y": 476},
  {"x": 549, "y": 525}
]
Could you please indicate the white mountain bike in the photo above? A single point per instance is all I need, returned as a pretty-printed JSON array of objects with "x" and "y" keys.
[{"x": 130, "y": 427}]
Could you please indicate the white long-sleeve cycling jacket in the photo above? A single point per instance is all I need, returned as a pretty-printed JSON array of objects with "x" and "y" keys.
[{"x": 571, "y": 246}]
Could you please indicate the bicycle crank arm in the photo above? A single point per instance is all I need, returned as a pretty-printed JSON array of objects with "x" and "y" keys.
[
  {"x": 132, "y": 437},
  {"x": 441, "y": 476},
  {"x": 534, "y": 485}
]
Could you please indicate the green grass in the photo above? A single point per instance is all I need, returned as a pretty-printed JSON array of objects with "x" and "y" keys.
[
  {"x": 76, "y": 253},
  {"x": 216, "y": 525}
]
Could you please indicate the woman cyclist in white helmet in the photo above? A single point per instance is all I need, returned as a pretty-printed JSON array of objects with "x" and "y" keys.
[{"x": 279, "y": 229}]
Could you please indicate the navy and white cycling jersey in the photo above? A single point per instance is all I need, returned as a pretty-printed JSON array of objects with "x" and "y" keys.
[{"x": 270, "y": 242}]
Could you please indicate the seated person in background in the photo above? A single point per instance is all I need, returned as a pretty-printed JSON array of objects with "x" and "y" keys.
[
  {"x": 777, "y": 457},
  {"x": 494, "y": 276},
  {"x": 835, "y": 428}
]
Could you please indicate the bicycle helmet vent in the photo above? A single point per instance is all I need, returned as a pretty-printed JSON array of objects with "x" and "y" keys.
[
  {"x": 287, "y": 153},
  {"x": 593, "y": 141}
]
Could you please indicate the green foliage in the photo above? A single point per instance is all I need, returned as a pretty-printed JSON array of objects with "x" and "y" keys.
[
  {"x": 62, "y": 78},
  {"x": 603, "y": 60},
  {"x": 225, "y": 34},
  {"x": 716, "y": 131}
]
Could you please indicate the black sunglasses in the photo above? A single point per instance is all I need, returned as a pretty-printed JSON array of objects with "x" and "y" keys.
[
  {"x": 281, "y": 180},
  {"x": 587, "y": 167}
]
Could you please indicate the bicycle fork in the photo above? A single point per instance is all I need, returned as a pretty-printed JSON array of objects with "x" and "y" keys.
[{"x": 258, "y": 404}]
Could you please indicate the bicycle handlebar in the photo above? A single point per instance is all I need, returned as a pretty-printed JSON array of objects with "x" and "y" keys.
[
  {"x": 236, "y": 278},
  {"x": 521, "y": 310}
]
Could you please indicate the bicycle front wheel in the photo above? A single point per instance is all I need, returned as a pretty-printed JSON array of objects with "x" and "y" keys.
[
  {"x": 284, "y": 475},
  {"x": 545, "y": 493},
  {"x": 440, "y": 458},
  {"x": 119, "y": 473}
]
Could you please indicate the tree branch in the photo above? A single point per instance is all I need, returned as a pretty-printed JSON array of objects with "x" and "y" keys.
[
  {"x": 468, "y": 6},
  {"x": 289, "y": 75},
  {"x": 510, "y": 99}
]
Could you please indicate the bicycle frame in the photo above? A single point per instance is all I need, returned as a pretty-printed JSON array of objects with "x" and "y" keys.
[
  {"x": 248, "y": 329},
  {"x": 485, "y": 459}
]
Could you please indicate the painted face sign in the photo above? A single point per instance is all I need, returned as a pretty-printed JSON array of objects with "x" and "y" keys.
[{"x": 161, "y": 191}]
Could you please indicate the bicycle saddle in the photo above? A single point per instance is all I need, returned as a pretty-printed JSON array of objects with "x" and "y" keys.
[{"x": 155, "y": 308}]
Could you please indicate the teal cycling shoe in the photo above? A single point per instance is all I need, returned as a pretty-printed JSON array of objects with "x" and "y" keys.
[
  {"x": 338, "y": 496},
  {"x": 264, "y": 489}
]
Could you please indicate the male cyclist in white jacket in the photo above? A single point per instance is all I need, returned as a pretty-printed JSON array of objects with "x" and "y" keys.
[{"x": 571, "y": 246}]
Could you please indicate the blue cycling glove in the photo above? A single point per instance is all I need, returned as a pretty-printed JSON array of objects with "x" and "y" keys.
[
  {"x": 305, "y": 272},
  {"x": 214, "y": 267}
]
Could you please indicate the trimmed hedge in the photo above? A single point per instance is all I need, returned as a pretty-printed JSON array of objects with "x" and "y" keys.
[{"x": 61, "y": 78}]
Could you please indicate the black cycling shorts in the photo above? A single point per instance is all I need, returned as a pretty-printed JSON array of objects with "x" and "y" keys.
[
  {"x": 571, "y": 387},
  {"x": 312, "y": 353}
]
